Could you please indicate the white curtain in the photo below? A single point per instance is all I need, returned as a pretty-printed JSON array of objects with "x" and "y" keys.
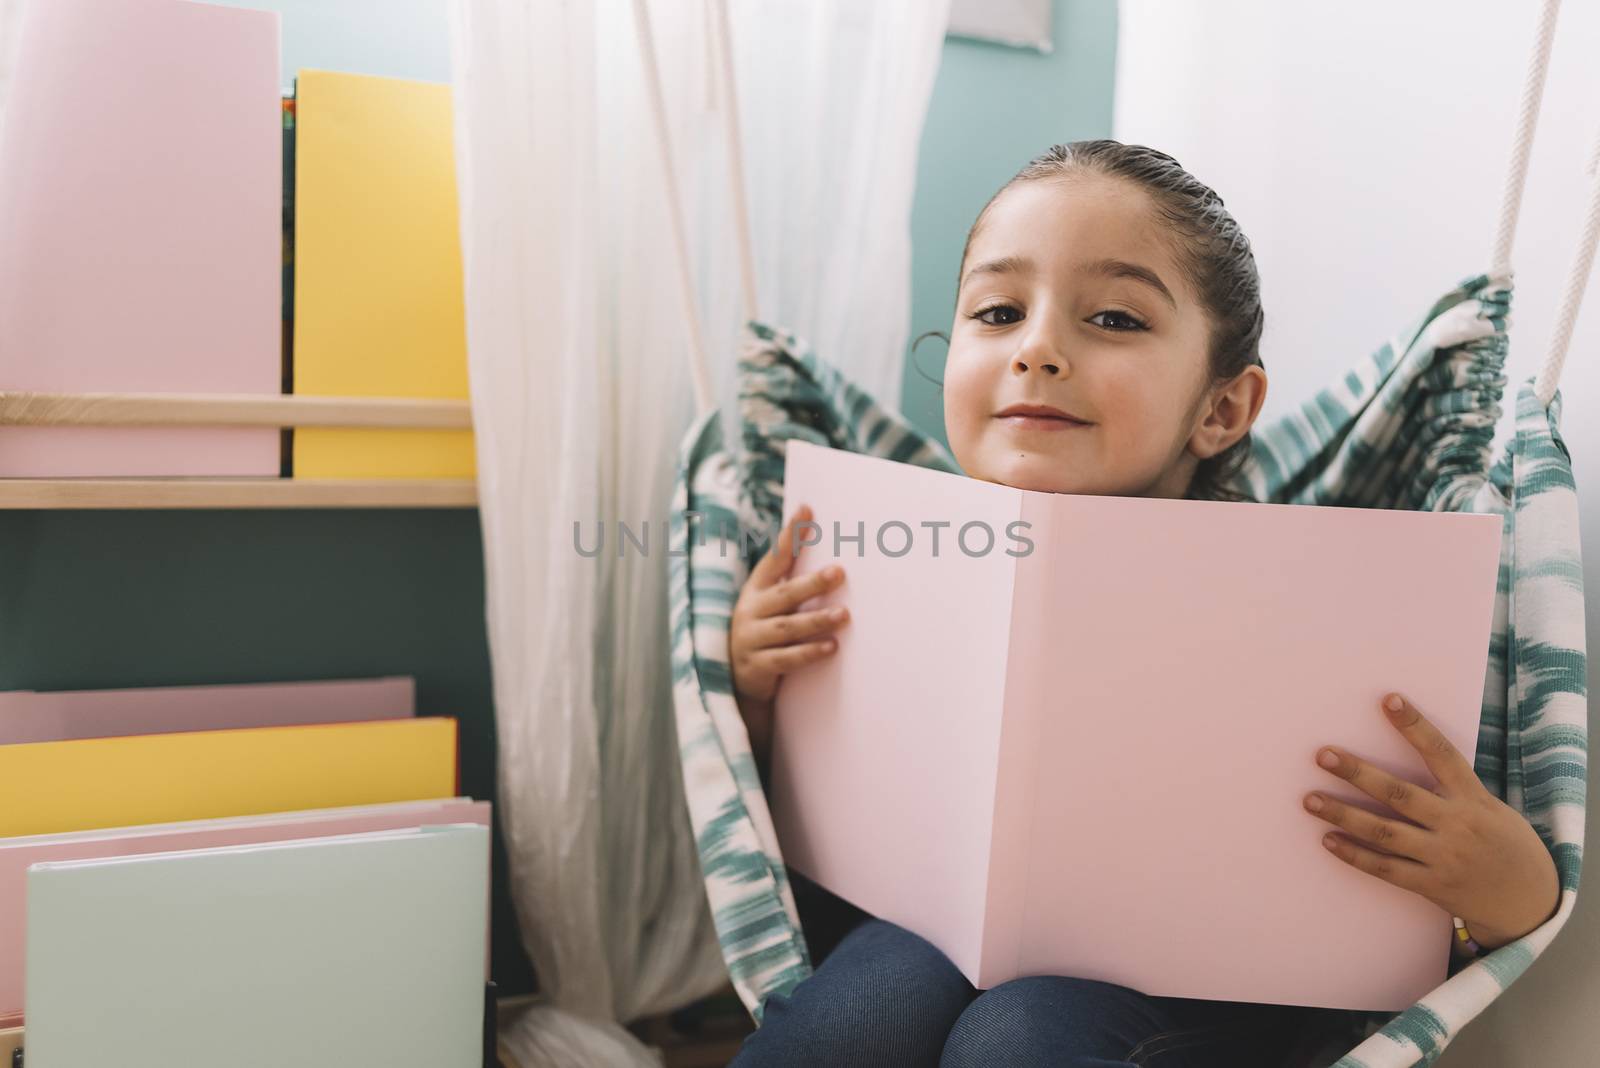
[
  {"x": 578, "y": 361},
  {"x": 1363, "y": 147}
]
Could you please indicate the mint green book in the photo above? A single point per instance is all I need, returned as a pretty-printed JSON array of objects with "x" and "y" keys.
[{"x": 363, "y": 949}]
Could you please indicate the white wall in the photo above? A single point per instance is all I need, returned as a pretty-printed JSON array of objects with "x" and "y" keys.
[
  {"x": 1363, "y": 146},
  {"x": 392, "y": 38}
]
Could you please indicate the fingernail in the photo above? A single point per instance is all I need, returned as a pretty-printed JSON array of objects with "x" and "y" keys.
[
  {"x": 1393, "y": 703},
  {"x": 1329, "y": 840},
  {"x": 1328, "y": 758},
  {"x": 838, "y": 614},
  {"x": 1314, "y": 803},
  {"x": 833, "y": 572}
]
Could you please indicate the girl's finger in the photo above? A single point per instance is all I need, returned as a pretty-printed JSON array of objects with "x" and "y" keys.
[
  {"x": 792, "y": 627},
  {"x": 1401, "y": 872},
  {"x": 1392, "y": 836},
  {"x": 790, "y": 593},
  {"x": 779, "y": 559},
  {"x": 1452, "y": 770},
  {"x": 786, "y": 658},
  {"x": 1415, "y": 803}
]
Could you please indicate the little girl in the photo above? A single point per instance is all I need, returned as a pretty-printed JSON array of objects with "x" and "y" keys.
[{"x": 1108, "y": 320}]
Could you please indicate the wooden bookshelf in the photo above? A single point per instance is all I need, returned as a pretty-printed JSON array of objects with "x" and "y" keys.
[
  {"x": 237, "y": 493},
  {"x": 235, "y": 410}
]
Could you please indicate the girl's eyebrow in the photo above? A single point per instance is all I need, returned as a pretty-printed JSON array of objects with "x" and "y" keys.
[
  {"x": 1124, "y": 269},
  {"x": 1110, "y": 267},
  {"x": 1003, "y": 265}
]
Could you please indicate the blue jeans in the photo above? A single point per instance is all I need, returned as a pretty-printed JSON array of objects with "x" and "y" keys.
[{"x": 884, "y": 997}]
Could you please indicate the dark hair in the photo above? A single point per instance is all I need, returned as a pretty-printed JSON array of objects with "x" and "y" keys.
[{"x": 1212, "y": 252}]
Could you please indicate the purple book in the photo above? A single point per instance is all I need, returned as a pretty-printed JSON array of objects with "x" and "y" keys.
[{"x": 31, "y": 716}]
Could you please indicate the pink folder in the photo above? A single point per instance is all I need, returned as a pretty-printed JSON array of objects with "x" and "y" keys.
[
  {"x": 29, "y": 716},
  {"x": 1088, "y": 758},
  {"x": 17, "y": 854},
  {"x": 140, "y": 228}
]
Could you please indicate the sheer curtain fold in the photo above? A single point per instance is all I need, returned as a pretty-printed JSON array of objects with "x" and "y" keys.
[
  {"x": 834, "y": 96},
  {"x": 580, "y": 394}
]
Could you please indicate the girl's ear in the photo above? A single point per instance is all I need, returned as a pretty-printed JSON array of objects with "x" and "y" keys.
[{"x": 1230, "y": 412}]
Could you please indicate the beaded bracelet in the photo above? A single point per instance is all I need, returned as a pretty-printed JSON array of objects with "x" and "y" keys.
[{"x": 1464, "y": 939}]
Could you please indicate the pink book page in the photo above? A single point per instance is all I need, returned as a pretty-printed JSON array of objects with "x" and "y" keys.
[
  {"x": 30, "y": 716},
  {"x": 140, "y": 228},
  {"x": 1157, "y": 841},
  {"x": 18, "y": 854},
  {"x": 884, "y": 758},
  {"x": 1205, "y": 652}
]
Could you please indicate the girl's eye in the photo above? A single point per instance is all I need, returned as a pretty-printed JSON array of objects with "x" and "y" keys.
[
  {"x": 1010, "y": 314},
  {"x": 1128, "y": 322},
  {"x": 1006, "y": 314}
]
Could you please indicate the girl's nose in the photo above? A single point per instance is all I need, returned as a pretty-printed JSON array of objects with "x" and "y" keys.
[
  {"x": 1040, "y": 357},
  {"x": 1037, "y": 349}
]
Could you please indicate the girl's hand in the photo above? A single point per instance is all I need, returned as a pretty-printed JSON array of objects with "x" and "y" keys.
[
  {"x": 768, "y": 638},
  {"x": 1464, "y": 849}
]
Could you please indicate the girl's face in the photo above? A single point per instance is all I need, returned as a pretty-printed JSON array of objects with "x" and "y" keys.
[{"x": 1071, "y": 299}]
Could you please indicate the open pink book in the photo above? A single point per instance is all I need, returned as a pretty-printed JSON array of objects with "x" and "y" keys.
[{"x": 1072, "y": 735}]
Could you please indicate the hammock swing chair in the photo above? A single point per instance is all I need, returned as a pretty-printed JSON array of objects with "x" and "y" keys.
[{"x": 1408, "y": 427}]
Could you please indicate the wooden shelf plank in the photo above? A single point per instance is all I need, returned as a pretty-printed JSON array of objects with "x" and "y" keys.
[
  {"x": 231, "y": 409},
  {"x": 121, "y": 493}
]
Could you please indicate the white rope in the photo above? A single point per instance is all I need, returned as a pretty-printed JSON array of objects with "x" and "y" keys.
[
  {"x": 1522, "y": 142},
  {"x": 699, "y": 366},
  {"x": 741, "y": 208},
  {"x": 1544, "y": 386}
]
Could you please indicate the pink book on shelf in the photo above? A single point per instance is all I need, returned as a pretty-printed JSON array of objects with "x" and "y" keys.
[
  {"x": 31, "y": 716},
  {"x": 141, "y": 228},
  {"x": 1072, "y": 736},
  {"x": 18, "y": 854}
]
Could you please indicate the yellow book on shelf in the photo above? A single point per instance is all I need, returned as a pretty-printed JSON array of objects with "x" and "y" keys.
[
  {"x": 378, "y": 304},
  {"x": 87, "y": 784}
]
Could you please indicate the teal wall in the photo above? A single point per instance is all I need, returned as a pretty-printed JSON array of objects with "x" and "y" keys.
[{"x": 108, "y": 599}]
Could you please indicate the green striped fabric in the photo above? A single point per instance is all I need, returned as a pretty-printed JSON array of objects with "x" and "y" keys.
[{"x": 1409, "y": 427}]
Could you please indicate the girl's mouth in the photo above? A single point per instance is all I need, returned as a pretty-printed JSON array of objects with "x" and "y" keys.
[{"x": 1041, "y": 422}]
